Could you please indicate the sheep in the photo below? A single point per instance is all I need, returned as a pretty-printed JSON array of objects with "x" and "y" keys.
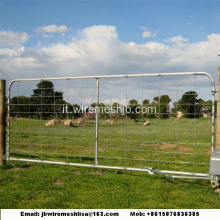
[
  {"x": 53, "y": 122},
  {"x": 68, "y": 123},
  {"x": 146, "y": 123},
  {"x": 109, "y": 121},
  {"x": 80, "y": 120},
  {"x": 179, "y": 114}
]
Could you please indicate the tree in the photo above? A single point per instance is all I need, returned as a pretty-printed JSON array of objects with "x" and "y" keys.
[
  {"x": 60, "y": 108},
  {"x": 189, "y": 104},
  {"x": 132, "y": 109},
  {"x": 93, "y": 105},
  {"x": 156, "y": 99},
  {"x": 162, "y": 105},
  {"x": 118, "y": 110},
  {"x": 133, "y": 102},
  {"x": 165, "y": 99},
  {"x": 205, "y": 106},
  {"x": 45, "y": 92},
  {"x": 44, "y": 99},
  {"x": 145, "y": 102},
  {"x": 176, "y": 108},
  {"x": 20, "y": 106}
]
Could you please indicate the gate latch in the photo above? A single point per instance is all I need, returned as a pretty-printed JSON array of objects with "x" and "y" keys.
[{"x": 214, "y": 167}]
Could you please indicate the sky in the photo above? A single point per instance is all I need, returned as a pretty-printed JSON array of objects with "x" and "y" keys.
[{"x": 56, "y": 38}]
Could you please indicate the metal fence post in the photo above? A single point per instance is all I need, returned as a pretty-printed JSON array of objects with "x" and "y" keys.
[
  {"x": 2, "y": 122},
  {"x": 218, "y": 114},
  {"x": 217, "y": 188}
]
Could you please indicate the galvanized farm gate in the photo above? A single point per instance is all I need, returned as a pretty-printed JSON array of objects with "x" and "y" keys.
[{"x": 112, "y": 122}]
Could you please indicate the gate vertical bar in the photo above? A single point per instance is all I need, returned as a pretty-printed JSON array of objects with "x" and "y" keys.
[
  {"x": 213, "y": 115},
  {"x": 96, "y": 121},
  {"x": 2, "y": 122},
  {"x": 218, "y": 114}
]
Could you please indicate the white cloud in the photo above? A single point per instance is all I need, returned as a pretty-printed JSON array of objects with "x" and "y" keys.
[
  {"x": 53, "y": 29},
  {"x": 177, "y": 39},
  {"x": 12, "y": 52},
  {"x": 99, "y": 33},
  {"x": 147, "y": 34},
  {"x": 96, "y": 50},
  {"x": 48, "y": 36},
  {"x": 121, "y": 101},
  {"x": 12, "y": 39}
]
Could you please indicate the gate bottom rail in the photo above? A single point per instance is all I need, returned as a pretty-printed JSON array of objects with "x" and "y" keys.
[{"x": 150, "y": 170}]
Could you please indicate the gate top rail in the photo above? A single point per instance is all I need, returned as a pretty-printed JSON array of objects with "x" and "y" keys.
[{"x": 118, "y": 76}]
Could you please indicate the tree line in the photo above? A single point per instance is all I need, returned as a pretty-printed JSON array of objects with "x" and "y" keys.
[{"x": 47, "y": 103}]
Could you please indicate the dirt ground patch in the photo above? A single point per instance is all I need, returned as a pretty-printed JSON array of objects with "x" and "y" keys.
[
  {"x": 184, "y": 149},
  {"x": 59, "y": 183},
  {"x": 16, "y": 176},
  {"x": 19, "y": 119},
  {"x": 77, "y": 173},
  {"x": 209, "y": 151},
  {"x": 165, "y": 146},
  {"x": 88, "y": 149},
  {"x": 96, "y": 173},
  {"x": 21, "y": 168},
  {"x": 27, "y": 200}
]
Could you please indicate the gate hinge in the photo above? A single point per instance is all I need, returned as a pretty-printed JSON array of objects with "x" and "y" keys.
[{"x": 5, "y": 157}]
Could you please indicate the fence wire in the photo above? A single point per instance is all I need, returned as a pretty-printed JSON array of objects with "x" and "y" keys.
[{"x": 164, "y": 121}]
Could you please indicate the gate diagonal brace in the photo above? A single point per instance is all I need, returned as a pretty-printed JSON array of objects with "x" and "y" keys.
[
  {"x": 152, "y": 171},
  {"x": 213, "y": 178}
]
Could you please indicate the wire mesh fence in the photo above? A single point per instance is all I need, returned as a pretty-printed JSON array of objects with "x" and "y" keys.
[{"x": 165, "y": 121}]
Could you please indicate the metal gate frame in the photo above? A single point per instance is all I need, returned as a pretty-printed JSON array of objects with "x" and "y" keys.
[{"x": 150, "y": 170}]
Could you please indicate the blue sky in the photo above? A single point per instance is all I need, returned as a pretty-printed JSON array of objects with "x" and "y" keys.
[
  {"x": 54, "y": 37},
  {"x": 193, "y": 19}
]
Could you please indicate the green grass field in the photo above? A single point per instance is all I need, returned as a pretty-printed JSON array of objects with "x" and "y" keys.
[
  {"x": 55, "y": 186},
  {"x": 165, "y": 144}
]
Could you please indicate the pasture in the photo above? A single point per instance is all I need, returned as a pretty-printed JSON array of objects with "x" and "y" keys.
[{"x": 165, "y": 144}]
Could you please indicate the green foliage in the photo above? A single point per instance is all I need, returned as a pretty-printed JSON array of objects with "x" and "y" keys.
[
  {"x": 150, "y": 113},
  {"x": 145, "y": 102},
  {"x": 46, "y": 103},
  {"x": 162, "y": 105},
  {"x": 117, "y": 110},
  {"x": 43, "y": 104},
  {"x": 6, "y": 166},
  {"x": 205, "y": 106},
  {"x": 189, "y": 104},
  {"x": 132, "y": 109},
  {"x": 20, "y": 106},
  {"x": 44, "y": 99},
  {"x": 133, "y": 102}
]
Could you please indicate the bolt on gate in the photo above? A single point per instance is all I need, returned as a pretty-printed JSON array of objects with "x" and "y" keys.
[{"x": 156, "y": 123}]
